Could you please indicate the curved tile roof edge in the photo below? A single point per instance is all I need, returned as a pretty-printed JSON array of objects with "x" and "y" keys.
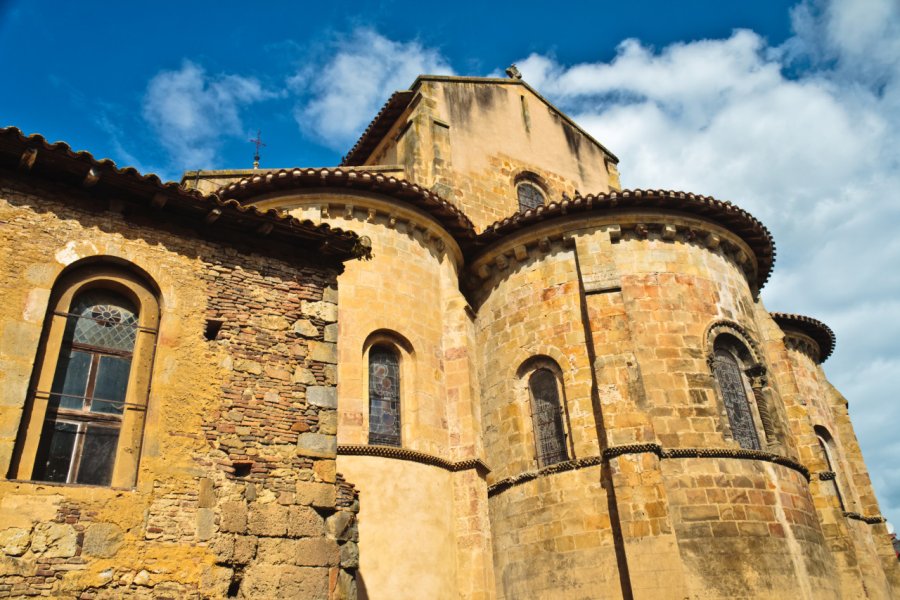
[
  {"x": 814, "y": 328},
  {"x": 725, "y": 214},
  {"x": 299, "y": 228},
  {"x": 447, "y": 214},
  {"x": 396, "y": 103}
]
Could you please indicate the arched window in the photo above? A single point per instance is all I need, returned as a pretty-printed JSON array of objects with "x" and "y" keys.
[
  {"x": 728, "y": 373},
  {"x": 547, "y": 417},
  {"x": 530, "y": 196},
  {"x": 384, "y": 395},
  {"x": 829, "y": 450},
  {"x": 85, "y": 416}
]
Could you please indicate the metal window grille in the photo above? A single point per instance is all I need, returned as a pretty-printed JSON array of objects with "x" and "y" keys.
[
  {"x": 87, "y": 397},
  {"x": 529, "y": 196},
  {"x": 734, "y": 395},
  {"x": 384, "y": 396},
  {"x": 546, "y": 414}
]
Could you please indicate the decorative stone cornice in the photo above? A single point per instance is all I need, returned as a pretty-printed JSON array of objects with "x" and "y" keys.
[
  {"x": 725, "y": 214},
  {"x": 284, "y": 181},
  {"x": 560, "y": 467},
  {"x": 649, "y": 448},
  {"x": 412, "y": 456},
  {"x": 816, "y": 339},
  {"x": 869, "y": 519}
]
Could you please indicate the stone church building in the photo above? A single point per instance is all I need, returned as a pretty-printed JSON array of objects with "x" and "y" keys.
[{"x": 463, "y": 364}]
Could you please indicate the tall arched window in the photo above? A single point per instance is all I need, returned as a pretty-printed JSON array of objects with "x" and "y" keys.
[
  {"x": 829, "y": 450},
  {"x": 530, "y": 196},
  {"x": 547, "y": 417},
  {"x": 384, "y": 396},
  {"x": 84, "y": 420},
  {"x": 729, "y": 375}
]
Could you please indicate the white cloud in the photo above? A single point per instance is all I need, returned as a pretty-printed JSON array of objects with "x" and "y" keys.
[
  {"x": 337, "y": 99},
  {"x": 191, "y": 111},
  {"x": 803, "y": 135}
]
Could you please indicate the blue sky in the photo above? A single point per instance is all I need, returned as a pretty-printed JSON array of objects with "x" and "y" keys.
[{"x": 789, "y": 109}]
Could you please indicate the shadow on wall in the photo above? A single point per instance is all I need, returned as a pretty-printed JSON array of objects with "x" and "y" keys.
[{"x": 361, "y": 592}]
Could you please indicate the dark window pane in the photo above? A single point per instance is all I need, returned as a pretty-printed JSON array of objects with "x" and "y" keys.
[
  {"x": 105, "y": 320},
  {"x": 737, "y": 407},
  {"x": 529, "y": 196},
  {"x": 550, "y": 437},
  {"x": 111, "y": 384},
  {"x": 384, "y": 397},
  {"x": 98, "y": 455},
  {"x": 70, "y": 379},
  {"x": 55, "y": 452}
]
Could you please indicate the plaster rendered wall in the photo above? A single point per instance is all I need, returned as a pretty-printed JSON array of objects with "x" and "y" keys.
[
  {"x": 406, "y": 529},
  {"x": 258, "y": 394}
]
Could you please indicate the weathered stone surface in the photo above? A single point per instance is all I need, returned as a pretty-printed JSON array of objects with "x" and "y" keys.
[
  {"x": 331, "y": 332},
  {"x": 248, "y": 366},
  {"x": 303, "y": 375},
  {"x": 326, "y": 470},
  {"x": 346, "y": 588},
  {"x": 322, "y": 396},
  {"x": 350, "y": 555},
  {"x": 54, "y": 540},
  {"x": 305, "y": 328},
  {"x": 285, "y": 581},
  {"x": 325, "y": 352},
  {"x": 325, "y": 311},
  {"x": 275, "y": 322},
  {"x": 304, "y": 552},
  {"x": 102, "y": 539},
  {"x": 142, "y": 578},
  {"x": 206, "y": 523},
  {"x": 267, "y": 519},
  {"x": 321, "y": 495},
  {"x": 341, "y": 525},
  {"x": 207, "y": 496},
  {"x": 316, "y": 445},
  {"x": 233, "y": 517},
  {"x": 244, "y": 548},
  {"x": 303, "y": 521},
  {"x": 15, "y": 540}
]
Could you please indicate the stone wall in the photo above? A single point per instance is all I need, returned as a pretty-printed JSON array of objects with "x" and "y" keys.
[{"x": 237, "y": 491}]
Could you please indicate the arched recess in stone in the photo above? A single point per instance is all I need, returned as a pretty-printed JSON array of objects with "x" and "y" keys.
[
  {"x": 541, "y": 387},
  {"x": 388, "y": 385},
  {"x": 84, "y": 417},
  {"x": 747, "y": 408}
]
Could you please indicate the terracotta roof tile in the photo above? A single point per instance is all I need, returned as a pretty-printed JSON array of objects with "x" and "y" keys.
[
  {"x": 726, "y": 214},
  {"x": 447, "y": 214},
  {"x": 817, "y": 330},
  {"x": 378, "y": 128},
  {"x": 58, "y": 162}
]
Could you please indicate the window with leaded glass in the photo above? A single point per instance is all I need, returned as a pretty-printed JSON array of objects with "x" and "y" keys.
[
  {"x": 547, "y": 417},
  {"x": 734, "y": 395},
  {"x": 529, "y": 196},
  {"x": 87, "y": 397},
  {"x": 384, "y": 396}
]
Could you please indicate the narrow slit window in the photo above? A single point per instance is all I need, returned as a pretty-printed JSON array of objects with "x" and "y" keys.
[
  {"x": 734, "y": 395},
  {"x": 87, "y": 398},
  {"x": 384, "y": 396},
  {"x": 547, "y": 418}
]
